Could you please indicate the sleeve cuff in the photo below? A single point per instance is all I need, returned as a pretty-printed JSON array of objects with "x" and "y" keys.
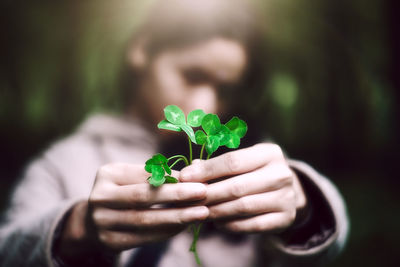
[{"x": 325, "y": 228}]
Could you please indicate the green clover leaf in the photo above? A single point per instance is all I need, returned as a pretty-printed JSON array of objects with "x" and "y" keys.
[
  {"x": 175, "y": 121},
  {"x": 238, "y": 129},
  {"x": 157, "y": 175},
  {"x": 189, "y": 131},
  {"x": 224, "y": 135},
  {"x": 195, "y": 117},
  {"x": 211, "y": 124},
  {"x": 237, "y": 126},
  {"x": 166, "y": 125},
  {"x": 214, "y": 134},
  {"x": 158, "y": 166},
  {"x": 201, "y": 137},
  {"x": 174, "y": 115},
  {"x": 212, "y": 144}
]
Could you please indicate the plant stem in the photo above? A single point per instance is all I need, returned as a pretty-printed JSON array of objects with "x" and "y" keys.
[
  {"x": 190, "y": 151},
  {"x": 181, "y": 157},
  {"x": 202, "y": 150},
  {"x": 175, "y": 162},
  {"x": 196, "y": 234},
  {"x": 208, "y": 156}
]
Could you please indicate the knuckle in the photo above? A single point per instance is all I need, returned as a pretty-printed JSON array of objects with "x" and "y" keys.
[
  {"x": 292, "y": 216},
  {"x": 232, "y": 161},
  {"x": 140, "y": 218},
  {"x": 276, "y": 150},
  {"x": 285, "y": 175},
  {"x": 262, "y": 146},
  {"x": 207, "y": 168},
  {"x": 234, "y": 226},
  {"x": 244, "y": 206},
  {"x": 105, "y": 171},
  {"x": 140, "y": 196},
  {"x": 258, "y": 225},
  {"x": 238, "y": 190},
  {"x": 105, "y": 238},
  {"x": 96, "y": 196},
  {"x": 180, "y": 193},
  {"x": 97, "y": 216},
  {"x": 300, "y": 201}
]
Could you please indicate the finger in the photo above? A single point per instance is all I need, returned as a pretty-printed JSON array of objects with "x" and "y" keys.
[
  {"x": 152, "y": 218},
  {"x": 236, "y": 162},
  {"x": 120, "y": 240},
  {"x": 122, "y": 173},
  {"x": 270, "y": 222},
  {"x": 250, "y": 205},
  {"x": 269, "y": 178},
  {"x": 145, "y": 195}
]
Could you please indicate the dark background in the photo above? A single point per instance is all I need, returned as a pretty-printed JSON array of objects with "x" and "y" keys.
[{"x": 332, "y": 98}]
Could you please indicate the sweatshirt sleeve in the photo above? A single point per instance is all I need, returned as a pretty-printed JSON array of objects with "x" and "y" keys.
[
  {"x": 37, "y": 206},
  {"x": 322, "y": 236}
]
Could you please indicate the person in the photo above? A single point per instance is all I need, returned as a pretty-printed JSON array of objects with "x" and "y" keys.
[{"x": 86, "y": 200}]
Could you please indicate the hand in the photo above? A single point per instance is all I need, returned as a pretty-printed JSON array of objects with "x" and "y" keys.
[
  {"x": 124, "y": 211},
  {"x": 249, "y": 190}
]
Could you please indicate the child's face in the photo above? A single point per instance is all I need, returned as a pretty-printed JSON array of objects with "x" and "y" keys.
[{"x": 192, "y": 77}]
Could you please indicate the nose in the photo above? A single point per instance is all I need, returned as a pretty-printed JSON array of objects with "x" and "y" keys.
[{"x": 202, "y": 97}]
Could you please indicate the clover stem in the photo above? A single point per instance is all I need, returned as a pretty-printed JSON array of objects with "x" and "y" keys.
[
  {"x": 196, "y": 233},
  {"x": 181, "y": 157},
  {"x": 190, "y": 151},
  {"x": 175, "y": 162},
  {"x": 208, "y": 156},
  {"x": 202, "y": 150}
]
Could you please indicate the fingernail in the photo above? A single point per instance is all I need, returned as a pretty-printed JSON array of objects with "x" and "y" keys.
[{"x": 196, "y": 213}]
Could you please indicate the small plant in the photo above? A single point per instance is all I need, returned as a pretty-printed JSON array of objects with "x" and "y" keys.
[{"x": 212, "y": 136}]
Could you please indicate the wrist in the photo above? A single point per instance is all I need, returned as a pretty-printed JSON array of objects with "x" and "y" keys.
[{"x": 76, "y": 245}]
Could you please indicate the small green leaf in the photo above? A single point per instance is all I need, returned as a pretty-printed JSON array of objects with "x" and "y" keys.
[
  {"x": 233, "y": 142},
  {"x": 174, "y": 115},
  {"x": 237, "y": 126},
  {"x": 156, "y": 162},
  {"x": 167, "y": 168},
  {"x": 170, "y": 180},
  {"x": 224, "y": 135},
  {"x": 148, "y": 165},
  {"x": 166, "y": 125},
  {"x": 195, "y": 117},
  {"x": 201, "y": 137},
  {"x": 157, "y": 172},
  {"x": 212, "y": 144},
  {"x": 155, "y": 182},
  {"x": 159, "y": 159},
  {"x": 189, "y": 131},
  {"x": 211, "y": 124}
]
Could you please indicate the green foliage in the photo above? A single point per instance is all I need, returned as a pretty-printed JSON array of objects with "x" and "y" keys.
[
  {"x": 158, "y": 166},
  {"x": 195, "y": 117},
  {"x": 175, "y": 121},
  {"x": 213, "y": 136}
]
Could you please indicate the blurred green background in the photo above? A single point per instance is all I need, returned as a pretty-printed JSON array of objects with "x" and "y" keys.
[{"x": 332, "y": 98}]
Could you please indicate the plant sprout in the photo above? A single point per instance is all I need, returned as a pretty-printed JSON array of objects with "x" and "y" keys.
[{"x": 212, "y": 136}]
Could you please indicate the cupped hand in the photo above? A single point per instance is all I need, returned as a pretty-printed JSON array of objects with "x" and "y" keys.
[
  {"x": 249, "y": 190},
  {"x": 124, "y": 211}
]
